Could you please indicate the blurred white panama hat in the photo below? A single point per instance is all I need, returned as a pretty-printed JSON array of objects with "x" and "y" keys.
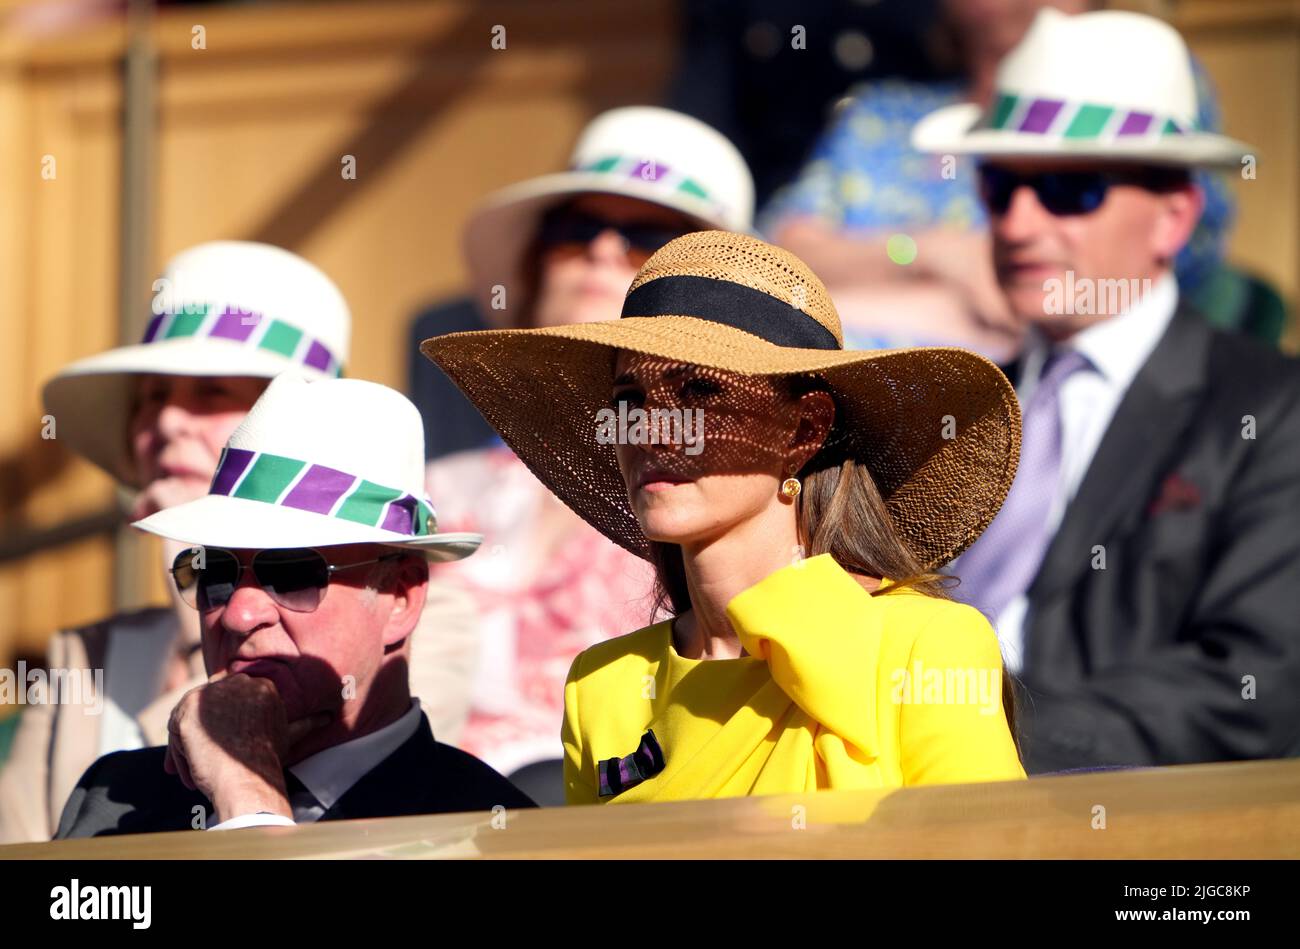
[
  {"x": 1109, "y": 85},
  {"x": 315, "y": 464},
  {"x": 225, "y": 308},
  {"x": 644, "y": 152}
]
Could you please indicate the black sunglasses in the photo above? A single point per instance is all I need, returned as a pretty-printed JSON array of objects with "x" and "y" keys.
[
  {"x": 295, "y": 578},
  {"x": 1067, "y": 192},
  {"x": 565, "y": 226}
]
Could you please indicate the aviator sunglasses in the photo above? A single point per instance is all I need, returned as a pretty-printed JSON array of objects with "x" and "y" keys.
[
  {"x": 1066, "y": 192},
  {"x": 295, "y": 578}
]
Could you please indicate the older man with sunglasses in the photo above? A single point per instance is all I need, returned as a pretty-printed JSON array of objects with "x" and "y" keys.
[
  {"x": 308, "y": 569},
  {"x": 227, "y": 317},
  {"x": 1143, "y": 571}
]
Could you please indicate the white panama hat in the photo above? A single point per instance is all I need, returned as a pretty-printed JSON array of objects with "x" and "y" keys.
[
  {"x": 1109, "y": 85},
  {"x": 317, "y": 464},
  {"x": 224, "y": 308},
  {"x": 645, "y": 152}
]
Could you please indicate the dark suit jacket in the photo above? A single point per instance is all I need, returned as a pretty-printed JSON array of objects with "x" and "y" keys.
[
  {"x": 1186, "y": 646},
  {"x": 128, "y": 792}
]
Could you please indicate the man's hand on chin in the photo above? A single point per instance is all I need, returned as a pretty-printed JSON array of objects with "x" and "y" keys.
[{"x": 228, "y": 739}]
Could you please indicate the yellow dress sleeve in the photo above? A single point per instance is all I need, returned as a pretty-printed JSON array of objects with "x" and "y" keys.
[
  {"x": 953, "y": 725},
  {"x": 579, "y": 780}
]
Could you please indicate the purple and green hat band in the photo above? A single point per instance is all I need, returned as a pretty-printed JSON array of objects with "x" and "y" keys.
[
  {"x": 1079, "y": 121},
  {"x": 289, "y": 482},
  {"x": 244, "y": 326},
  {"x": 649, "y": 171}
]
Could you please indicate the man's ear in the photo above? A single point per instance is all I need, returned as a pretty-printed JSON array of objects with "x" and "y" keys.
[
  {"x": 1181, "y": 210},
  {"x": 408, "y": 583},
  {"x": 816, "y": 416}
]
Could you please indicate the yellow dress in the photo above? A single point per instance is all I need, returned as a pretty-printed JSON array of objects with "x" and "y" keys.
[{"x": 841, "y": 689}]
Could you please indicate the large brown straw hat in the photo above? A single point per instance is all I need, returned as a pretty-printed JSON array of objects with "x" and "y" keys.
[{"x": 938, "y": 428}]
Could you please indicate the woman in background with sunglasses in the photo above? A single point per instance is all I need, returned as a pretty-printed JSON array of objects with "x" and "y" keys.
[{"x": 557, "y": 250}]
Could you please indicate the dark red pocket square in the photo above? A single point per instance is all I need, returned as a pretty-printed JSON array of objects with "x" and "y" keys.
[{"x": 1176, "y": 494}]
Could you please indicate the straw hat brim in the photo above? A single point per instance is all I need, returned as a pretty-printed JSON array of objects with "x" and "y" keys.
[
  {"x": 91, "y": 399},
  {"x": 223, "y": 521},
  {"x": 499, "y": 231},
  {"x": 954, "y": 130},
  {"x": 541, "y": 389}
]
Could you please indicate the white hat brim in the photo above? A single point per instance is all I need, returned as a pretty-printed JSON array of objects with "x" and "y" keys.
[
  {"x": 499, "y": 232},
  {"x": 90, "y": 399},
  {"x": 217, "y": 520},
  {"x": 953, "y": 130}
]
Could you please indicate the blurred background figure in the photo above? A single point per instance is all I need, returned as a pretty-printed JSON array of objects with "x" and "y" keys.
[
  {"x": 1147, "y": 557},
  {"x": 900, "y": 237},
  {"x": 52, "y": 17},
  {"x": 559, "y": 249},
  {"x": 767, "y": 73},
  {"x": 228, "y": 316}
]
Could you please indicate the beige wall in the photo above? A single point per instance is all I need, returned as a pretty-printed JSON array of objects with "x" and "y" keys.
[
  {"x": 57, "y": 265},
  {"x": 251, "y": 134}
]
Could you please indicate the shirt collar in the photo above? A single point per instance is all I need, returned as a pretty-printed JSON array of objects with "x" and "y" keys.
[
  {"x": 330, "y": 773},
  {"x": 1116, "y": 347}
]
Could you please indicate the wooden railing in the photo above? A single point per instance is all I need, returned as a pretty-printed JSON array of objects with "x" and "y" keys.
[{"x": 1222, "y": 811}]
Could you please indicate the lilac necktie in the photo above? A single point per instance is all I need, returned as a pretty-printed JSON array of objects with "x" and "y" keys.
[{"x": 1002, "y": 563}]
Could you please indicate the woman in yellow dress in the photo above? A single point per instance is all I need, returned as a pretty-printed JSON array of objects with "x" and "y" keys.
[{"x": 795, "y": 500}]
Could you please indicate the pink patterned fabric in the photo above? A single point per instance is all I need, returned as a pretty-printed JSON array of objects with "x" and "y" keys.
[{"x": 535, "y": 616}]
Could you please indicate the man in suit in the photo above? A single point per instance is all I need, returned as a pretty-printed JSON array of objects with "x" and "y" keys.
[
  {"x": 309, "y": 575},
  {"x": 1144, "y": 571},
  {"x": 154, "y": 415}
]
